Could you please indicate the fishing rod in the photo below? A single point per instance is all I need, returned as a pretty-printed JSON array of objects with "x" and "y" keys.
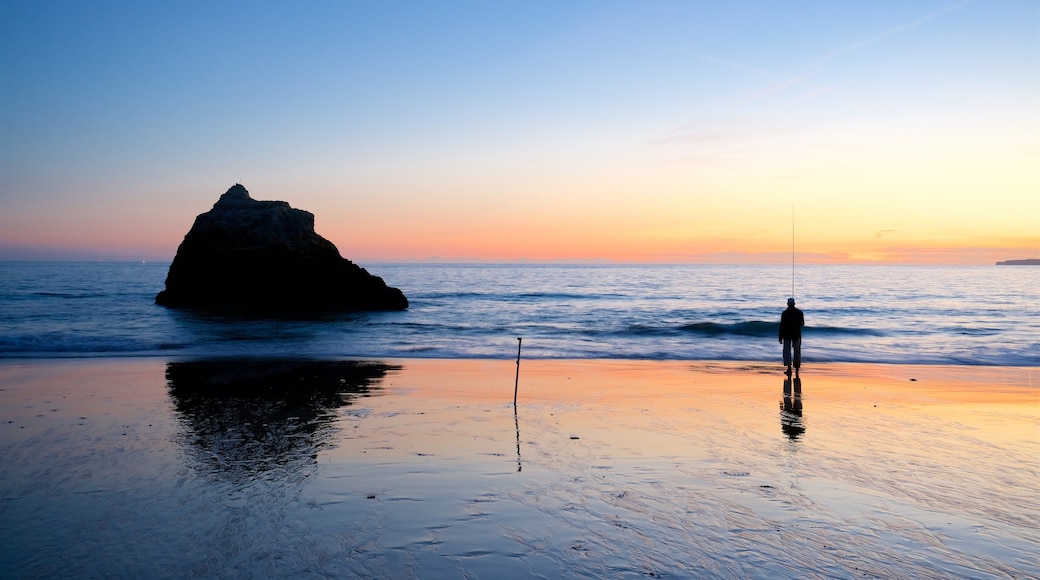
[{"x": 792, "y": 250}]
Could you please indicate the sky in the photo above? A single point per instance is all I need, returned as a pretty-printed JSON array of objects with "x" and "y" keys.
[{"x": 538, "y": 131}]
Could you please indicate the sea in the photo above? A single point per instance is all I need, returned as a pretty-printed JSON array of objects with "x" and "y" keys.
[{"x": 964, "y": 315}]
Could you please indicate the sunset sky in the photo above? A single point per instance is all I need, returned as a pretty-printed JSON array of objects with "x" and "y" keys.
[{"x": 628, "y": 131}]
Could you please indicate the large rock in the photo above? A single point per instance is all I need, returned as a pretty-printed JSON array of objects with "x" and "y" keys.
[{"x": 264, "y": 257}]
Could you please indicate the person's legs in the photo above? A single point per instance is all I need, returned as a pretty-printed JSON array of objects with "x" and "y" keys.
[
  {"x": 787, "y": 352},
  {"x": 797, "y": 344}
]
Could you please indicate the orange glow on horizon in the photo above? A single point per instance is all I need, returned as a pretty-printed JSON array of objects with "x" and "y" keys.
[
  {"x": 705, "y": 251},
  {"x": 653, "y": 227}
]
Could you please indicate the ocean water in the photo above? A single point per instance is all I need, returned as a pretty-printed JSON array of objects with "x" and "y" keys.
[{"x": 984, "y": 315}]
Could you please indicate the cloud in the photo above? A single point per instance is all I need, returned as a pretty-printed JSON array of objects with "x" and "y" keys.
[
  {"x": 721, "y": 136},
  {"x": 812, "y": 69},
  {"x": 780, "y": 81},
  {"x": 801, "y": 76}
]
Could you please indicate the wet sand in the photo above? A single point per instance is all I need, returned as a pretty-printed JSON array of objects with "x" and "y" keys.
[{"x": 421, "y": 468}]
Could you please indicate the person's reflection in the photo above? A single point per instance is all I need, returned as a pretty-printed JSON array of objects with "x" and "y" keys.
[
  {"x": 246, "y": 418},
  {"x": 791, "y": 408}
]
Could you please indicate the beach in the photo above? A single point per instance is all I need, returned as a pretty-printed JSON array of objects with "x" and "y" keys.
[{"x": 399, "y": 468}]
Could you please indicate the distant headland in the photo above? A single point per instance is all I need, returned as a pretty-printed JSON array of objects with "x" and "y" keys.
[{"x": 1026, "y": 262}]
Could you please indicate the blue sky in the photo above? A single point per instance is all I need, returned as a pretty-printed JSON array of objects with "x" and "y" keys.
[{"x": 645, "y": 131}]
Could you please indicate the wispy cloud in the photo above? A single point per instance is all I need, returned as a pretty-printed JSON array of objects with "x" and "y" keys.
[
  {"x": 719, "y": 136},
  {"x": 799, "y": 78},
  {"x": 780, "y": 81},
  {"x": 802, "y": 76}
]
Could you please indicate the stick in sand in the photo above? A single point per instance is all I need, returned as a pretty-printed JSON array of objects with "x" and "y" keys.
[
  {"x": 516, "y": 416},
  {"x": 516, "y": 385}
]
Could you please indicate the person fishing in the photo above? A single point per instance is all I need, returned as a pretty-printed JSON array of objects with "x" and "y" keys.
[{"x": 791, "y": 323}]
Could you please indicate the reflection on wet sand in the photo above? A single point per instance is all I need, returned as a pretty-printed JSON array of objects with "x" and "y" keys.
[
  {"x": 516, "y": 421},
  {"x": 791, "y": 408},
  {"x": 245, "y": 417}
]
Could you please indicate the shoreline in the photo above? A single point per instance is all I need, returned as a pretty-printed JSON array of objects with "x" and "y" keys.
[
  {"x": 1005, "y": 378},
  {"x": 1023, "y": 376},
  {"x": 765, "y": 366}
]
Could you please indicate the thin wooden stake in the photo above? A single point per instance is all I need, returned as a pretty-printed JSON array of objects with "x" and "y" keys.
[{"x": 516, "y": 385}]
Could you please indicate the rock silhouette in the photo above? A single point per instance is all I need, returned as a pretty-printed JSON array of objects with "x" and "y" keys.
[{"x": 264, "y": 257}]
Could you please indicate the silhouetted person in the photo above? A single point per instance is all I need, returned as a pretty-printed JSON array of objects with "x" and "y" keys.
[{"x": 791, "y": 323}]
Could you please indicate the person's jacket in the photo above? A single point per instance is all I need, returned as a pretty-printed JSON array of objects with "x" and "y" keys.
[{"x": 791, "y": 323}]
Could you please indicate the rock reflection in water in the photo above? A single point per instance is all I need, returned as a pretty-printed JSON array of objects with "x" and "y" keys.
[
  {"x": 791, "y": 408},
  {"x": 246, "y": 417}
]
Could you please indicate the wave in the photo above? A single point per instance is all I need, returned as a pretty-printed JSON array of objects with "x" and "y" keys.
[
  {"x": 760, "y": 328},
  {"x": 747, "y": 328},
  {"x": 29, "y": 297},
  {"x": 22, "y": 348},
  {"x": 515, "y": 296},
  {"x": 972, "y": 331},
  {"x": 813, "y": 330}
]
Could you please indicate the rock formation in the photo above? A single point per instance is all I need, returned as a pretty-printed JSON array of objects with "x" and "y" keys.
[{"x": 264, "y": 257}]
